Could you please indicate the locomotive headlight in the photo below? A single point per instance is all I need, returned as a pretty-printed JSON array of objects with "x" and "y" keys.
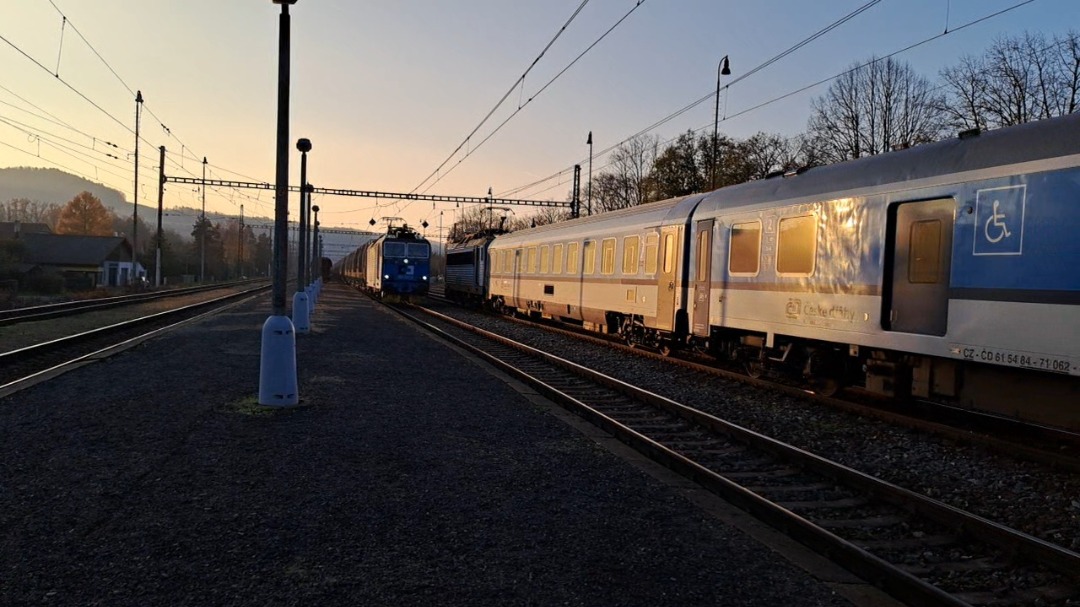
[
  {"x": 406, "y": 261},
  {"x": 386, "y": 277},
  {"x": 425, "y": 278}
]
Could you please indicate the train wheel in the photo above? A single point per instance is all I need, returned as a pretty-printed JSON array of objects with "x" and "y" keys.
[
  {"x": 825, "y": 372},
  {"x": 826, "y": 386},
  {"x": 664, "y": 349},
  {"x": 754, "y": 368}
]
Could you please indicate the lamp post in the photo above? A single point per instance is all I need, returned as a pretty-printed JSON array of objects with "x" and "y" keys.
[
  {"x": 301, "y": 300},
  {"x": 721, "y": 69},
  {"x": 277, "y": 371}
]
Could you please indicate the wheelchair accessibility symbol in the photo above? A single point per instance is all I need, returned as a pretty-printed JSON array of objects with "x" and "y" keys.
[{"x": 999, "y": 224}]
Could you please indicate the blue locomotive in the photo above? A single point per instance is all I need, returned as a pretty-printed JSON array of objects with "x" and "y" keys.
[
  {"x": 946, "y": 271},
  {"x": 467, "y": 268},
  {"x": 395, "y": 265}
]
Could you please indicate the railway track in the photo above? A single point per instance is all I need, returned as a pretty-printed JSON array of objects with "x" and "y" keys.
[
  {"x": 919, "y": 550},
  {"x": 68, "y": 308},
  {"x": 1055, "y": 447},
  {"x": 26, "y": 366}
]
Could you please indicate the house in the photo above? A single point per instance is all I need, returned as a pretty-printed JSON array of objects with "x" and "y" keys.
[
  {"x": 84, "y": 261},
  {"x": 10, "y": 230}
]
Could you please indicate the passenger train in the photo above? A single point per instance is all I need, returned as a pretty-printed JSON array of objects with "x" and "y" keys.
[
  {"x": 947, "y": 271},
  {"x": 394, "y": 265}
]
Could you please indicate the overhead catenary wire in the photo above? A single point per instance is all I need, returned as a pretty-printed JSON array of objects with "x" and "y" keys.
[
  {"x": 558, "y": 174},
  {"x": 65, "y": 23},
  {"x": 519, "y": 81}
]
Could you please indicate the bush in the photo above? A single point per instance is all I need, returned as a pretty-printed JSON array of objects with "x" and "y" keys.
[
  {"x": 45, "y": 282},
  {"x": 8, "y": 290}
]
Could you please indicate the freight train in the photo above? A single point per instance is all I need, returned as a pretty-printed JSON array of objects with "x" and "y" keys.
[
  {"x": 395, "y": 265},
  {"x": 946, "y": 271}
]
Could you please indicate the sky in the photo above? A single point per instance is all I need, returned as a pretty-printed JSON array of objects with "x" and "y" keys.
[{"x": 387, "y": 90}]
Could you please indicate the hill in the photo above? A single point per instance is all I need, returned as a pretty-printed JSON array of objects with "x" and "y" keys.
[{"x": 54, "y": 185}]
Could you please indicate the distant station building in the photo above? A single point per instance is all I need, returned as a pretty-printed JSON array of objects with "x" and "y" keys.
[{"x": 85, "y": 262}]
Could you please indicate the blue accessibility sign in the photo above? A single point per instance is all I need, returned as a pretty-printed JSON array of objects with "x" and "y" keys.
[{"x": 999, "y": 220}]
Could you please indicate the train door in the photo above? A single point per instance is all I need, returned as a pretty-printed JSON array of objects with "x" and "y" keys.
[
  {"x": 666, "y": 277},
  {"x": 480, "y": 268},
  {"x": 917, "y": 292},
  {"x": 519, "y": 267},
  {"x": 702, "y": 275}
]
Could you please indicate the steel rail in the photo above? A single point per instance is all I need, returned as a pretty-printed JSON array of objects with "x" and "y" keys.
[
  {"x": 66, "y": 308},
  {"x": 45, "y": 348},
  {"x": 877, "y": 570},
  {"x": 1012, "y": 437}
]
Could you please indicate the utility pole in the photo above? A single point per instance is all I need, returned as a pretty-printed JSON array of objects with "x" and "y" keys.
[
  {"x": 575, "y": 203},
  {"x": 590, "y": 171},
  {"x": 160, "y": 201},
  {"x": 277, "y": 365},
  {"x": 135, "y": 216},
  {"x": 240, "y": 245},
  {"x": 202, "y": 227}
]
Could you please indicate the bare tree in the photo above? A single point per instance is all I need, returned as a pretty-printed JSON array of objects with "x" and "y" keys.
[
  {"x": 626, "y": 183},
  {"x": 678, "y": 170},
  {"x": 31, "y": 211},
  {"x": 966, "y": 84},
  {"x": 1017, "y": 80},
  {"x": 548, "y": 215},
  {"x": 873, "y": 108}
]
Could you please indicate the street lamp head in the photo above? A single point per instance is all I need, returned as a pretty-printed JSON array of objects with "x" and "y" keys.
[
  {"x": 304, "y": 145},
  {"x": 725, "y": 70}
]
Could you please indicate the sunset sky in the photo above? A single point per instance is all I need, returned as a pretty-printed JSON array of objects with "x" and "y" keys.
[{"x": 387, "y": 90}]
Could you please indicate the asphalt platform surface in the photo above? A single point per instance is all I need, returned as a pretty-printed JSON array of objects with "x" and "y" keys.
[{"x": 410, "y": 475}]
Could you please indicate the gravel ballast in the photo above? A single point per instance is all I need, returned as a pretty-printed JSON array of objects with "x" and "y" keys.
[
  {"x": 409, "y": 476},
  {"x": 1023, "y": 495}
]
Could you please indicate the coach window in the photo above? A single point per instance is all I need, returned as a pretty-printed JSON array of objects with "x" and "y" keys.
[
  {"x": 572, "y": 258},
  {"x": 796, "y": 245},
  {"x": 589, "y": 252},
  {"x": 545, "y": 259},
  {"x": 532, "y": 260},
  {"x": 630, "y": 255},
  {"x": 924, "y": 259},
  {"x": 669, "y": 253},
  {"x": 556, "y": 259},
  {"x": 702, "y": 254},
  {"x": 745, "y": 249},
  {"x": 607, "y": 256},
  {"x": 520, "y": 254},
  {"x": 651, "y": 242}
]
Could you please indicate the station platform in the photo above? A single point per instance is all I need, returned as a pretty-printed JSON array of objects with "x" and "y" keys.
[{"x": 410, "y": 474}]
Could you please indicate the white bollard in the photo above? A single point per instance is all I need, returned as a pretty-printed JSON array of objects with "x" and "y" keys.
[
  {"x": 300, "y": 315},
  {"x": 277, "y": 365}
]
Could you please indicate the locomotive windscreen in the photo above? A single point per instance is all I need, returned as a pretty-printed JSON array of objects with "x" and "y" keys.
[{"x": 418, "y": 250}]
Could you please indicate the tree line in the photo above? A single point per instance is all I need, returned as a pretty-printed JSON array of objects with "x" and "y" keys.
[
  {"x": 876, "y": 106},
  {"x": 231, "y": 250}
]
